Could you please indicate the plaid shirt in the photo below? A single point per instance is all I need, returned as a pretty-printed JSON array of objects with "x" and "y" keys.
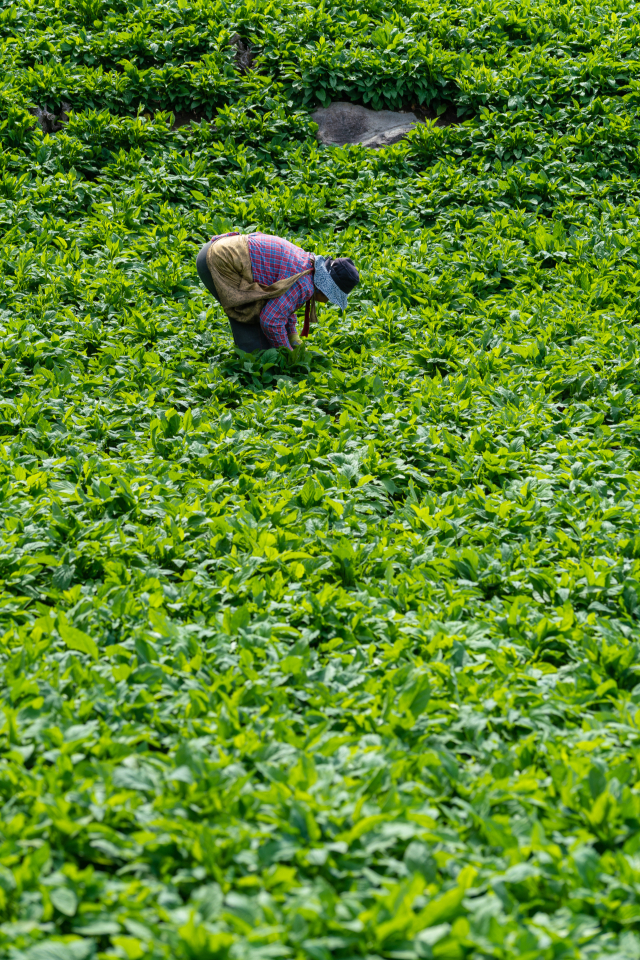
[{"x": 273, "y": 258}]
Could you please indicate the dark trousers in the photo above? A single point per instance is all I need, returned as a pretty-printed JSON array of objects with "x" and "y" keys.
[{"x": 247, "y": 336}]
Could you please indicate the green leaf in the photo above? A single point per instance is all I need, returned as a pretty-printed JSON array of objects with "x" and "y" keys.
[
  {"x": 64, "y": 900},
  {"x": 76, "y": 639},
  {"x": 311, "y": 493},
  {"x": 58, "y": 950},
  {"x": 419, "y": 859},
  {"x": 235, "y": 619},
  {"x": 416, "y": 695}
]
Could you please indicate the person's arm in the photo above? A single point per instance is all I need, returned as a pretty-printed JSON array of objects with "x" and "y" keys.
[
  {"x": 292, "y": 333},
  {"x": 277, "y": 313}
]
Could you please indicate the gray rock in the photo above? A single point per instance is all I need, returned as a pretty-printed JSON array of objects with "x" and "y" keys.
[
  {"x": 245, "y": 54},
  {"x": 51, "y": 122},
  {"x": 47, "y": 120},
  {"x": 342, "y": 123}
]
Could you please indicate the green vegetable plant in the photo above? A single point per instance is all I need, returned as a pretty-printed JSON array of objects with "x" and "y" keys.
[{"x": 330, "y": 654}]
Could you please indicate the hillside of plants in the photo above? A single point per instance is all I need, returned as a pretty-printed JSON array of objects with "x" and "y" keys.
[{"x": 331, "y": 654}]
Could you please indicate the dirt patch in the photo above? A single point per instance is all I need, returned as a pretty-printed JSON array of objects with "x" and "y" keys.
[
  {"x": 54, "y": 122},
  {"x": 184, "y": 117},
  {"x": 446, "y": 117}
]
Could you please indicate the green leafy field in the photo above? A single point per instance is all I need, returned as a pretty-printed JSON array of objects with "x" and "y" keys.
[{"x": 333, "y": 654}]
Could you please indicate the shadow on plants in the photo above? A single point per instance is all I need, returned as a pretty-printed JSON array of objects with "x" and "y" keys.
[
  {"x": 182, "y": 118},
  {"x": 444, "y": 112},
  {"x": 433, "y": 365},
  {"x": 346, "y": 341},
  {"x": 263, "y": 368}
]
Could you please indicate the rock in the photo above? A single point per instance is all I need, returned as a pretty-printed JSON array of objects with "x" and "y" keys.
[
  {"x": 51, "y": 122},
  {"x": 245, "y": 54},
  {"x": 342, "y": 123},
  {"x": 47, "y": 120}
]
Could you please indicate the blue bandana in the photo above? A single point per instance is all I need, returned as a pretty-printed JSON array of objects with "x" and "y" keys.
[{"x": 325, "y": 284}]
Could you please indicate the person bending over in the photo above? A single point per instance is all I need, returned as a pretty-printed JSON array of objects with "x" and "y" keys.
[{"x": 261, "y": 281}]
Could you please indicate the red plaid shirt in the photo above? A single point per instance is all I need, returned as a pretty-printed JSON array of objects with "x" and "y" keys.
[{"x": 273, "y": 258}]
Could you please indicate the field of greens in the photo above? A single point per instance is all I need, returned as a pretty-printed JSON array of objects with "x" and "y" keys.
[{"x": 332, "y": 654}]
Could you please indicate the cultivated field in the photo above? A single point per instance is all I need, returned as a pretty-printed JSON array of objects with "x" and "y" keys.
[{"x": 332, "y": 654}]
